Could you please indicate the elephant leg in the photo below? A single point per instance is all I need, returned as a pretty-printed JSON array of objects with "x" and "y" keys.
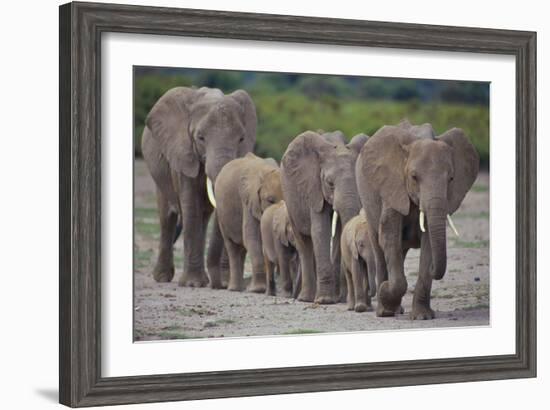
[
  {"x": 224, "y": 268},
  {"x": 351, "y": 290},
  {"x": 392, "y": 290},
  {"x": 195, "y": 213},
  {"x": 164, "y": 268},
  {"x": 370, "y": 263},
  {"x": 341, "y": 282},
  {"x": 252, "y": 239},
  {"x": 214, "y": 256},
  {"x": 236, "y": 254},
  {"x": 306, "y": 281},
  {"x": 421, "y": 300},
  {"x": 270, "y": 277},
  {"x": 284, "y": 256},
  {"x": 359, "y": 274},
  {"x": 326, "y": 272}
]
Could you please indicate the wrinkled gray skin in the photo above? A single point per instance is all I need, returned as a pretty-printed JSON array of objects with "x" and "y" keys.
[
  {"x": 401, "y": 171},
  {"x": 358, "y": 264},
  {"x": 245, "y": 188},
  {"x": 279, "y": 248},
  {"x": 318, "y": 176},
  {"x": 191, "y": 134}
]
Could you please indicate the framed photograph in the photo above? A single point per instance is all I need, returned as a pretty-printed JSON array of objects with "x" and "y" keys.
[{"x": 261, "y": 204}]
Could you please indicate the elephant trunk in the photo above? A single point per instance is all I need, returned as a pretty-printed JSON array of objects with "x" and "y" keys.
[
  {"x": 215, "y": 161},
  {"x": 436, "y": 216},
  {"x": 348, "y": 206}
]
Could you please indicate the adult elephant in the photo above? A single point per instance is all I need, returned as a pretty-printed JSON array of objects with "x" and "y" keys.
[
  {"x": 245, "y": 188},
  {"x": 409, "y": 182},
  {"x": 190, "y": 134},
  {"x": 318, "y": 178}
]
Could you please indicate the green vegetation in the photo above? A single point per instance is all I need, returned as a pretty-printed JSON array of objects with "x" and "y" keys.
[
  {"x": 301, "y": 331},
  {"x": 480, "y": 188},
  {"x": 288, "y": 104},
  {"x": 470, "y": 245}
]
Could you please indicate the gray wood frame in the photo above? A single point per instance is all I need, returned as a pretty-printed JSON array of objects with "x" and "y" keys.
[{"x": 81, "y": 27}]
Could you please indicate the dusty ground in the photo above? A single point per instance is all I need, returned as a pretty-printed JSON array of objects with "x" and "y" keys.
[{"x": 166, "y": 311}]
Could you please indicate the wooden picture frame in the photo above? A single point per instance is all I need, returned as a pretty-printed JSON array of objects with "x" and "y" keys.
[{"x": 81, "y": 27}]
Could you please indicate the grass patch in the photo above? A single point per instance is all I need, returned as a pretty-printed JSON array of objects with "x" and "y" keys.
[
  {"x": 478, "y": 306},
  {"x": 144, "y": 228},
  {"x": 175, "y": 334},
  {"x": 301, "y": 331},
  {"x": 480, "y": 188},
  {"x": 471, "y": 245},
  {"x": 195, "y": 311},
  {"x": 140, "y": 213},
  {"x": 473, "y": 215}
]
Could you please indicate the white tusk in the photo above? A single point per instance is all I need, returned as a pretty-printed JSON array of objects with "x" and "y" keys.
[
  {"x": 210, "y": 192},
  {"x": 334, "y": 222},
  {"x": 422, "y": 221},
  {"x": 452, "y": 225}
]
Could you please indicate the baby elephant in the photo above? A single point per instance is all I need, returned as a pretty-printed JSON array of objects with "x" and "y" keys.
[
  {"x": 245, "y": 187},
  {"x": 279, "y": 246},
  {"x": 358, "y": 264}
]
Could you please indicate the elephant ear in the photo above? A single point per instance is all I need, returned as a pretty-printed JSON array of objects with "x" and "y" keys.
[
  {"x": 301, "y": 163},
  {"x": 382, "y": 164},
  {"x": 466, "y": 166},
  {"x": 357, "y": 142},
  {"x": 249, "y": 191},
  {"x": 168, "y": 121},
  {"x": 249, "y": 119},
  {"x": 280, "y": 226}
]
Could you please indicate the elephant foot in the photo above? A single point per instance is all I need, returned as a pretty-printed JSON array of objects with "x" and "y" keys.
[
  {"x": 235, "y": 286},
  {"x": 256, "y": 288},
  {"x": 285, "y": 293},
  {"x": 193, "y": 280},
  {"x": 388, "y": 303},
  {"x": 217, "y": 284},
  {"x": 325, "y": 299},
  {"x": 362, "y": 307},
  {"x": 163, "y": 275},
  {"x": 420, "y": 312},
  {"x": 270, "y": 291},
  {"x": 306, "y": 296}
]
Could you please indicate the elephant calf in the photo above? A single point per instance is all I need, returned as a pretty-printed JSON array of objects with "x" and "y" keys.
[
  {"x": 279, "y": 247},
  {"x": 358, "y": 263},
  {"x": 245, "y": 187}
]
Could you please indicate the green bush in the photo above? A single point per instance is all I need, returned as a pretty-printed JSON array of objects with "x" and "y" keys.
[{"x": 290, "y": 104}]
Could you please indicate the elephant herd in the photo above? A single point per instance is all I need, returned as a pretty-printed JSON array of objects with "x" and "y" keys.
[{"x": 335, "y": 220}]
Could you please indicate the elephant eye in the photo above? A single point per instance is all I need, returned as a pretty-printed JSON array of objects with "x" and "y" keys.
[
  {"x": 271, "y": 199},
  {"x": 414, "y": 177},
  {"x": 330, "y": 183},
  {"x": 241, "y": 139},
  {"x": 451, "y": 179}
]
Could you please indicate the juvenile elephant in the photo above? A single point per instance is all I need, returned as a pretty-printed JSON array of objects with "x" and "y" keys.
[
  {"x": 279, "y": 248},
  {"x": 358, "y": 264},
  {"x": 189, "y": 135},
  {"x": 244, "y": 189},
  {"x": 409, "y": 183},
  {"x": 318, "y": 177}
]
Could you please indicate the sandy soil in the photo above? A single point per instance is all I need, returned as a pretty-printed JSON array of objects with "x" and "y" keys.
[{"x": 166, "y": 311}]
